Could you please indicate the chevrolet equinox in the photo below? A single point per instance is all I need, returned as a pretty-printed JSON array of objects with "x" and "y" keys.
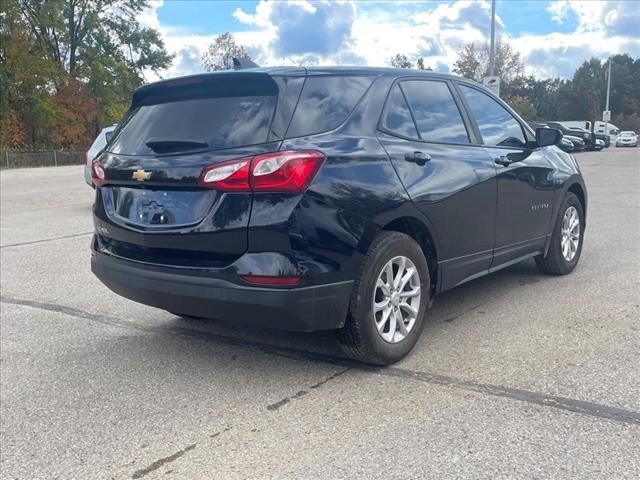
[{"x": 327, "y": 198}]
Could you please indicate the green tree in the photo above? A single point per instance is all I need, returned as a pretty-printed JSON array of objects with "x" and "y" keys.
[
  {"x": 625, "y": 76},
  {"x": 588, "y": 89},
  {"x": 99, "y": 43}
]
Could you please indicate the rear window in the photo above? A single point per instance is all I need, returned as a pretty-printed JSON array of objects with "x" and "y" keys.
[
  {"x": 215, "y": 115},
  {"x": 326, "y": 102}
]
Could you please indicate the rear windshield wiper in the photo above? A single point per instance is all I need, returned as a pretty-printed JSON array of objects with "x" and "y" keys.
[{"x": 171, "y": 145}]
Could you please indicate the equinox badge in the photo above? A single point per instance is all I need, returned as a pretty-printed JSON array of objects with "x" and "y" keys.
[{"x": 141, "y": 175}]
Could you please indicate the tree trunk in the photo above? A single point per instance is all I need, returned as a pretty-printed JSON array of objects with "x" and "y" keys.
[{"x": 73, "y": 45}]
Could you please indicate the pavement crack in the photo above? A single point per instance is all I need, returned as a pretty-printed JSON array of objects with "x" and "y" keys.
[
  {"x": 162, "y": 461},
  {"x": 302, "y": 393},
  {"x": 551, "y": 401},
  {"x": 21, "y": 244}
]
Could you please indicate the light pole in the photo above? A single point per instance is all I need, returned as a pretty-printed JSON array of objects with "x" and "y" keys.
[
  {"x": 606, "y": 109},
  {"x": 492, "y": 51}
]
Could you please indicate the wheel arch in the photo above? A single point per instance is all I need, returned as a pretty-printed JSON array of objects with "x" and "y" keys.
[
  {"x": 579, "y": 192},
  {"x": 419, "y": 231}
]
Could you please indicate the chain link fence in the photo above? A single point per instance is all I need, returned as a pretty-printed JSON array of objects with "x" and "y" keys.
[{"x": 40, "y": 158}]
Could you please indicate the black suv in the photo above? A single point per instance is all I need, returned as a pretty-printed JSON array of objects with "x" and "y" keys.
[{"x": 327, "y": 198}]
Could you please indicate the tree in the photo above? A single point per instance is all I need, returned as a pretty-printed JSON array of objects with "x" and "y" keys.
[
  {"x": 220, "y": 53},
  {"x": 473, "y": 62},
  {"x": 400, "y": 61},
  {"x": 468, "y": 63},
  {"x": 27, "y": 110},
  {"x": 99, "y": 42},
  {"x": 69, "y": 63},
  {"x": 523, "y": 106},
  {"x": 625, "y": 95},
  {"x": 71, "y": 33}
]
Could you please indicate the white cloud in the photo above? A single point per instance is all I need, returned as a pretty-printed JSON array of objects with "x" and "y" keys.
[
  {"x": 346, "y": 32},
  {"x": 604, "y": 29}
]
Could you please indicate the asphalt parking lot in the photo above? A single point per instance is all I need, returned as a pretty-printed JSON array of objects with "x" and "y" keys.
[{"x": 517, "y": 375}]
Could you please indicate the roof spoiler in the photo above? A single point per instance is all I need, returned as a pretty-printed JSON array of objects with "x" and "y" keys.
[{"x": 242, "y": 63}]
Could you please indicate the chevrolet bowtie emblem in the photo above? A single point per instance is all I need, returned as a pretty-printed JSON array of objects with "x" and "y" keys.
[{"x": 141, "y": 175}]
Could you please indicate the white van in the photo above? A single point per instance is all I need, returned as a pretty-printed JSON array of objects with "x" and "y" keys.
[
  {"x": 596, "y": 127},
  {"x": 586, "y": 124},
  {"x": 599, "y": 127}
]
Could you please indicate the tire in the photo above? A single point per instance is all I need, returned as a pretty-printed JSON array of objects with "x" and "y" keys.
[
  {"x": 360, "y": 338},
  {"x": 555, "y": 262}
]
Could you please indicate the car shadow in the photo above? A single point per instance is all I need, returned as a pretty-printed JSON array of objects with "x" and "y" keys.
[{"x": 448, "y": 307}]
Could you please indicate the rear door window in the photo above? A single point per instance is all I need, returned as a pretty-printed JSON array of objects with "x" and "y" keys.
[
  {"x": 435, "y": 111},
  {"x": 325, "y": 103},
  {"x": 497, "y": 126},
  {"x": 397, "y": 117},
  {"x": 217, "y": 115}
]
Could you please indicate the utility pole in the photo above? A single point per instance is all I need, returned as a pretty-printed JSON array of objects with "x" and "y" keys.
[
  {"x": 607, "y": 114},
  {"x": 492, "y": 51}
]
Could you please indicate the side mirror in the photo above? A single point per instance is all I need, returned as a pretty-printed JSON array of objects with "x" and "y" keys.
[{"x": 548, "y": 136}]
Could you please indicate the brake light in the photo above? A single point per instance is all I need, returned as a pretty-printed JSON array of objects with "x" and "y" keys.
[
  {"x": 86, "y": 157},
  {"x": 98, "y": 174},
  {"x": 290, "y": 171}
]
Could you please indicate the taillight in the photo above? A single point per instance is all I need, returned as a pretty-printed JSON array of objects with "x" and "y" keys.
[
  {"x": 98, "y": 174},
  {"x": 230, "y": 176},
  {"x": 290, "y": 172},
  {"x": 86, "y": 157}
]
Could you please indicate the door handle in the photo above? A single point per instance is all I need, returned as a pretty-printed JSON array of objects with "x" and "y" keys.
[
  {"x": 503, "y": 160},
  {"x": 417, "y": 157}
]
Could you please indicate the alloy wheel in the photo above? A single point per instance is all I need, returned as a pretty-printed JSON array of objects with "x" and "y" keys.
[
  {"x": 570, "y": 234},
  {"x": 396, "y": 299}
]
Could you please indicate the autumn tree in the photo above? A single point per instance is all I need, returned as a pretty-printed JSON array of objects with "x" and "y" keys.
[
  {"x": 59, "y": 51},
  {"x": 220, "y": 53},
  {"x": 468, "y": 63},
  {"x": 99, "y": 42},
  {"x": 473, "y": 62},
  {"x": 27, "y": 109}
]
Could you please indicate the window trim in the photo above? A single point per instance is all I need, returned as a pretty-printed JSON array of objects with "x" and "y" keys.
[
  {"x": 468, "y": 125},
  {"x": 465, "y": 103}
]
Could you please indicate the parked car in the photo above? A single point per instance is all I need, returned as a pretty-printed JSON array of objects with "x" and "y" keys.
[
  {"x": 584, "y": 135},
  {"x": 569, "y": 142},
  {"x": 566, "y": 145},
  {"x": 327, "y": 198},
  {"x": 627, "y": 139},
  {"x": 594, "y": 143},
  {"x": 597, "y": 128},
  {"x": 578, "y": 143},
  {"x": 96, "y": 147}
]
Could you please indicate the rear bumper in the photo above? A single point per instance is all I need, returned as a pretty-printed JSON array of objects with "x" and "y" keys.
[{"x": 320, "y": 307}]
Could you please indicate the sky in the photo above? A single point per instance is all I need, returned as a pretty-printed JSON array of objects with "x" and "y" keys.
[{"x": 552, "y": 37}]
